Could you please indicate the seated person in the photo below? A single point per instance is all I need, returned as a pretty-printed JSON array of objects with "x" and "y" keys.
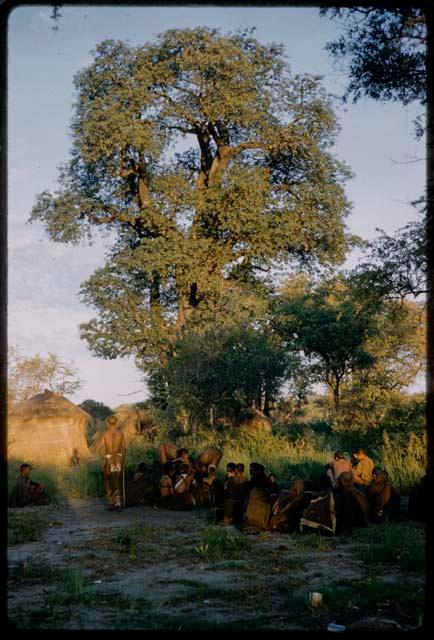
[
  {"x": 258, "y": 505},
  {"x": 384, "y": 499},
  {"x": 272, "y": 487},
  {"x": 258, "y": 479},
  {"x": 351, "y": 505},
  {"x": 240, "y": 479},
  {"x": 167, "y": 484},
  {"x": 288, "y": 508},
  {"x": 183, "y": 498},
  {"x": 234, "y": 496},
  {"x": 140, "y": 490},
  {"x": 25, "y": 491},
  {"x": 199, "y": 488},
  {"x": 215, "y": 487},
  {"x": 362, "y": 470},
  {"x": 183, "y": 457},
  {"x": 337, "y": 466}
]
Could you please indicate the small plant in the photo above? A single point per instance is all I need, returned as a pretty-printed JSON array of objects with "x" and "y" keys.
[{"x": 218, "y": 543}]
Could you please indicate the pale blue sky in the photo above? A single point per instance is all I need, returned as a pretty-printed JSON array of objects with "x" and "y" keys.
[{"x": 44, "y": 278}]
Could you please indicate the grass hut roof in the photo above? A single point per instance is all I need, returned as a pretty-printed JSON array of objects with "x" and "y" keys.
[{"x": 47, "y": 427}]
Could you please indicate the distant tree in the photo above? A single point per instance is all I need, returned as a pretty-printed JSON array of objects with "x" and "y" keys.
[
  {"x": 207, "y": 163},
  {"x": 29, "y": 375},
  {"x": 362, "y": 347},
  {"x": 95, "y": 409}
]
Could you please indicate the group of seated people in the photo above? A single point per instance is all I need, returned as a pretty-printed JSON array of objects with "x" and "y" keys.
[{"x": 351, "y": 493}]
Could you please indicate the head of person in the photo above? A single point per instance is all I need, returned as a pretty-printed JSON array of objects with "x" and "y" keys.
[
  {"x": 358, "y": 454},
  {"x": 112, "y": 422},
  {"x": 201, "y": 467},
  {"x": 142, "y": 467},
  {"x": 182, "y": 453},
  {"x": 240, "y": 469},
  {"x": 169, "y": 469},
  {"x": 272, "y": 478},
  {"x": 379, "y": 475},
  {"x": 25, "y": 470},
  {"x": 346, "y": 480},
  {"x": 184, "y": 468},
  {"x": 298, "y": 486},
  {"x": 339, "y": 455},
  {"x": 254, "y": 468},
  {"x": 212, "y": 469}
]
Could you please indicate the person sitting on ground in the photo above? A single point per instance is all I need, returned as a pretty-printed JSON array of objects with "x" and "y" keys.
[
  {"x": 231, "y": 469},
  {"x": 384, "y": 499},
  {"x": 258, "y": 479},
  {"x": 337, "y": 466},
  {"x": 215, "y": 487},
  {"x": 167, "y": 485},
  {"x": 234, "y": 494},
  {"x": 140, "y": 490},
  {"x": 183, "y": 457},
  {"x": 25, "y": 491},
  {"x": 258, "y": 505},
  {"x": 199, "y": 488},
  {"x": 362, "y": 470},
  {"x": 351, "y": 505},
  {"x": 288, "y": 508},
  {"x": 241, "y": 480},
  {"x": 272, "y": 487},
  {"x": 183, "y": 498}
]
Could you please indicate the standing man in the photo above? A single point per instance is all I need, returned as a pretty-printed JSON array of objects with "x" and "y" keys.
[{"x": 113, "y": 449}]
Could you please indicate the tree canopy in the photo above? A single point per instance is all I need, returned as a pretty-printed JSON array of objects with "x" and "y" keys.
[
  {"x": 207, "y": 164},
  {"x": 386, "y": 51}
]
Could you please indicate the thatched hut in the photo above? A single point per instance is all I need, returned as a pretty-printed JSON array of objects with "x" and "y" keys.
[
  {"x": 131, "y": 421},
  {"x": 48, "y": 428},
  {"x": 255, "y": 421}
]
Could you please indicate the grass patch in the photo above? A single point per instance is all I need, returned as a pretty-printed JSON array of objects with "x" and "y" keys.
[
  {"x": 374, "y": 595},
  {"x": 219, "y": 543},
  {"x": 25, "y": 526},
  {"x": 393, "y": 542}
]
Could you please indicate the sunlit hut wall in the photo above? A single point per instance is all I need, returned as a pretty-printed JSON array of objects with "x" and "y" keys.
[
  {"x": 131, "y": 421},
  {"x": 48, "y": 428}
]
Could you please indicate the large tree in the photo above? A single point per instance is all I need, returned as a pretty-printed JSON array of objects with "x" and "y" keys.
[{"x": 207, "y": 163}]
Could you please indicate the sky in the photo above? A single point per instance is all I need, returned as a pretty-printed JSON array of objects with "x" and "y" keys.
[{"x": 376, "y": 141}]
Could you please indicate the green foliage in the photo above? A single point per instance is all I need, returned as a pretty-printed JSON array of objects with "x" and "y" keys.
[
  {"x": 208, "y": 163},
  {"x": 217, "y": 543},
  {"x": 386, "y": 51},
  {"x": 221, "y": 370},
  {"x": 391, "y": 542}
]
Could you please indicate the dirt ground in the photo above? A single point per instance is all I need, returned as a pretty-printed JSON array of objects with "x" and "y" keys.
[{"x": 147, "y": 568}]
